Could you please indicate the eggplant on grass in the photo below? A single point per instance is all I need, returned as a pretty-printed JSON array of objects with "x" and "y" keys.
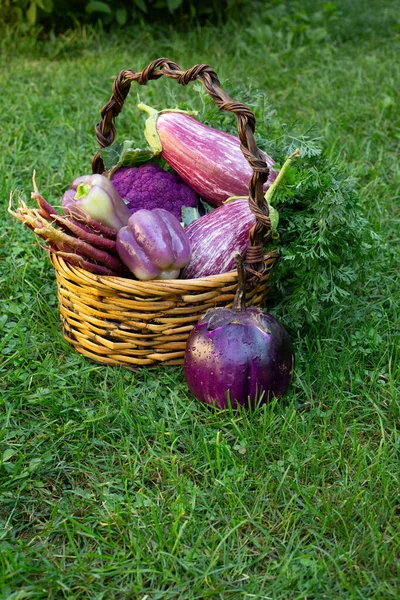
[{"x": 239, "y": 356}]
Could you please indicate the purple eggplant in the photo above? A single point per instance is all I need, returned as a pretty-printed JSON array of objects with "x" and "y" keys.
[
  {"x": 96, "y": 196},
  {"x": 208, "y": 160},
  {"x": 153, "y": 245},
  {"x": 238, "y": 356},
  {"x": 216, "y": 237}
]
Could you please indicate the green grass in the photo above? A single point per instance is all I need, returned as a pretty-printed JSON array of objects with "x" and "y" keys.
[{"x": 116, "y": 484}]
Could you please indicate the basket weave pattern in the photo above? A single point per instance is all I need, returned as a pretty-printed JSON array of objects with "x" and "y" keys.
[
  {"x": 115, "y": 320},
  {"x": 123, "y": 321}
]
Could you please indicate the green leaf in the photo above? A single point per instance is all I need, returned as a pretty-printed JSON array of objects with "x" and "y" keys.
[
  {"x": 97, "y": 6},
  {"x": 121, "y": 16},
  {"x": 141, "y": 4},
  {"x": 46, "y": 5},
  {"x": 173, "y": 5},
  {"x": 7, "y": 454},
  {"x": 124, "y": 154},
  {"x": 316, "y": 34},
  {"x": 189, "y": 214},
  {"x": 206, "y": 206},
  {"x": 31, "y": 13},
  {"x": 133, "y": 157}
]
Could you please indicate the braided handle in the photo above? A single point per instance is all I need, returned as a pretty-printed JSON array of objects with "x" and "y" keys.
[{"x": 105, "y": 134}]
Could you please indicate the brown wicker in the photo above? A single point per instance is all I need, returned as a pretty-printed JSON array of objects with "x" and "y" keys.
[{"x": 115, "y": 320}]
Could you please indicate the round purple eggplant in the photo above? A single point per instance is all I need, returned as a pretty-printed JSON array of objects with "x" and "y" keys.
[{"x": 239, "y": 356}]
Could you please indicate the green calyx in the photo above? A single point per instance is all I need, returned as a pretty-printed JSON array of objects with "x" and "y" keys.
[{"x": 150, "y": 128}]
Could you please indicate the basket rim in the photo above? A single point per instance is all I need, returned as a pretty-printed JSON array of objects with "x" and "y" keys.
[{"x": 154, "y": 284}]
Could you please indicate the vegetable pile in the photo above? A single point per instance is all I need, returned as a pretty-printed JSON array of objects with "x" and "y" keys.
[
  {"x": 180, "y": 209},
  {"x": 75, "y": 236},
  {"x": 126, "y": 221}
]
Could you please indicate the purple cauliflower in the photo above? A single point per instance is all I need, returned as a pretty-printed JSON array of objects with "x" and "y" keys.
[{"x": 149, "y": 186}]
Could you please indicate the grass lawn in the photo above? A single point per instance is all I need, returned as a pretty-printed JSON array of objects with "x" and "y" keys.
[{"x": 116, "y": 484}]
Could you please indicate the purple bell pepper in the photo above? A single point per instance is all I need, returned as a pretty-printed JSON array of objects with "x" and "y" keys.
[
  {"x": 96, "y": 196},
  {"x": 153, "y": 245}
]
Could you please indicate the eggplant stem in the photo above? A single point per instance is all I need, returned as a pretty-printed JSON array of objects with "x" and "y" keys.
[
  {"x": 272, "y": 189},
  {"x": 239, "y": 303}
]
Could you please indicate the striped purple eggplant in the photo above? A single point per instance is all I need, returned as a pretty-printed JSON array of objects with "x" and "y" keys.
[
  {"x": 208, "y": 160},
  {"x": 217, "y": 237}
]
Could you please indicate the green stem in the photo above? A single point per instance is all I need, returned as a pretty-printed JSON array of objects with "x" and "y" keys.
[
  {"x": 231, "y": 198},
  {"x": 146, "y": 108},
  {"x": 272, "y": 189}
]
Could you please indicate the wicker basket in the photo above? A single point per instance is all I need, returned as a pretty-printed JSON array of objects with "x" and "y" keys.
[{"x": 116, "y": 320}]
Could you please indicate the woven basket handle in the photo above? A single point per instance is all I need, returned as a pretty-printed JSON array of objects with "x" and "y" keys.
[{"x": 105, "y": 134}]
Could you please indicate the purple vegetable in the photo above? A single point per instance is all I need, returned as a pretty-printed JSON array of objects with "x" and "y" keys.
[
  {"x": 216, "y": 237},
  {"x": 76, "y": 213},
  {"x": 84, "y": 232},
  {"x": 75, "y": 242},
  {"x": 238, "y": 356},
  {"x": 149, "y": 186},
  {"x": 153, "y": 245},
  {"x": 67, "y": 245},
  {"x": 46, "y": 209},
  {"x": 79, "y": 261},
  {"x": 96, "y": 196},
  {"x": 210, "y": 161}
]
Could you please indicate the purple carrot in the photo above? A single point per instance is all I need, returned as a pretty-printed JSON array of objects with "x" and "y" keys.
[
  {"x": 79, "y": 261},
  {"x": 110, "y": 234},
  {"x": 84, "y": 249},
  {"x": 63, "y": 240},
  {"x": 85, "y": 233},
  {"x": 46, "y": 209},
  {"x": 74, "y": 212}
]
